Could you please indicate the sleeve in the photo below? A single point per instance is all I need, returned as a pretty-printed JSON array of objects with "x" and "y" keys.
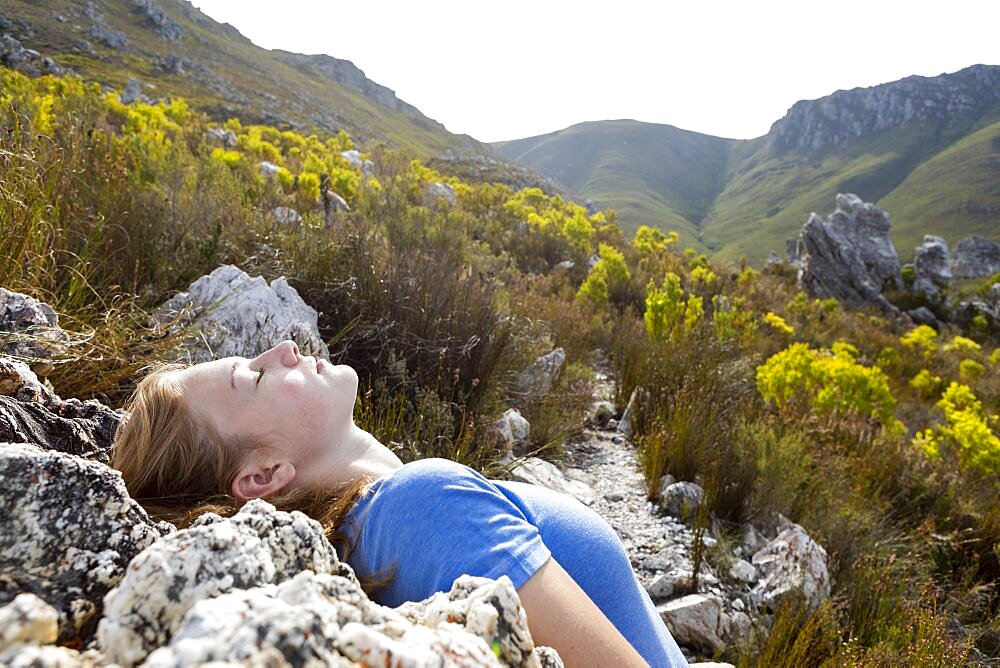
[{"x": 434, "y": 520}]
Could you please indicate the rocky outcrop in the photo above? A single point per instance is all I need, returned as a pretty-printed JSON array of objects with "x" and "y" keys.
[
  {"x": 975, "y": 257},
  {"x": 536, "y": 381},
  {"x": 439, "y": 191},
  {"x": 229, "y": 313},
  {"x": 165, "y": 26},
  {"x": 930, "y": 262},
  {"x": 265, "y": 585},
  {"x": 29, "y": 328},
  {"x": 67, "y": 533},
  {"x": 811, "y": 125},
  {"x": 793, "y": 563},
  {"x": 28, "y": 61},
  {"x": 849, "y": 256}
]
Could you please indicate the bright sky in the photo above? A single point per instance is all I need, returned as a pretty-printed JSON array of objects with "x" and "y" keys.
[{"x": 518, "y": 68}]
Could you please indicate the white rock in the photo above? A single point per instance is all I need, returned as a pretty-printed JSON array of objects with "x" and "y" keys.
[
  {"x": 284, "y": 215},
  {"x": 353, "y": 158},
  {"x": 437, "y": 190},
  {"x": 28, "y": 619},
  {"x": 267, "y": 169},
  {"x": 682, "y": 499},
  {"x": 792, "y": 562},
  {"x": 540, "y": 472},
  {"x": 694, "y": 621},
  {"x": 743, "y": 571},
  {"x": 232, "y": 314},
  {"x": 536, "y": 381},
  {"x": 511, "y": 429}
]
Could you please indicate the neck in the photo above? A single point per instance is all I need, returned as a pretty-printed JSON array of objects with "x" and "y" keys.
[{"x": 359, "y": 456}]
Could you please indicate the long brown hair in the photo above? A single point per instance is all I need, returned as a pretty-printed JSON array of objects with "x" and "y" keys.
[{"x": 178, "y": 466}]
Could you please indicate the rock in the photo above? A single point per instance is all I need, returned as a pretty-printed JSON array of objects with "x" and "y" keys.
[
  {"x": 327, "y": 620},
  {"x": 736, "y": 627},
  {"x": 230, "y": 313},
  {"x": 614, "y": 497},
  {"x": 30, "y": 328},
  {"x": 666, "y": 481},
  {"x": 536, "y": 381},
  {"x": 565, "y": 265},
  {"x": 682, "y": 500},
  {"x": 165, "y": 26},
  {"x": 81, "y": 428},
  {"x": 592, "y": 260},
  {"x": 924, "y": 316},
  {"x": 67, "y": 533},
  {"x": 511, "y": 430},
  {"x": 333, "y": 204},
  {"x": 19, "y": 381},
  {"x": 267, "y": 169},
  {"x": 794, "y": 250},
  {"x": 930, "y": 261},
  {"x": 28, "y": 619},
  {"x": 743, "y": 571},
  {"x": 353, "y": 158},
  {"x": 600, "y": 413},
  {"x": 975, "y": 257},
  {"x": 612, "y": 424},
  {"x": 694, "y": 621},
  {"x": 540, "y": 472},
  {"x": 849, "y": 256},
  {"x": 222, "y": 136},
  {"x": 793, "y": 563},
  {"x": 773, "y": 258},
  {"x": 114, "y": 39},
  {"x": 437, "y": 190},
  {"x": 284, "y": 215},
  {"x": 626, "y": 425},
  {"x": 255, "y": 547},
  {"x": 132, "y": 92}
]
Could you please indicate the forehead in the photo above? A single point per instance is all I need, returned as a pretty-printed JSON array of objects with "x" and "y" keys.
[{"x": 208, "y": 378}]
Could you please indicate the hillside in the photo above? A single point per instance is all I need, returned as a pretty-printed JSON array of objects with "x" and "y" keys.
[
  {"x": 924, "y": 148},
  {"x": 655, "y": 175},
  {"x": 176, "y": 50}
]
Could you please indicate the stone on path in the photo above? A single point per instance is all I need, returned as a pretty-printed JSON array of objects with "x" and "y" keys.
[
  {"x": 694, "y": 620},
  {"x": 537, "y": 471},
  {"x": 682, "y": 500},
  {"x": 793, "y": 563}
]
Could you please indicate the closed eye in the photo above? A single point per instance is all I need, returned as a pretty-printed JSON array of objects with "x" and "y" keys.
[{"x": 260, "y": 375}]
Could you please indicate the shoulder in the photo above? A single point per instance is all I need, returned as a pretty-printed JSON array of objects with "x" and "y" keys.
[{"x": 431, "y": 476}]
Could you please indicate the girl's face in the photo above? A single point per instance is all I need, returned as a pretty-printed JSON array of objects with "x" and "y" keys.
[{"x": 293, "y": 403}]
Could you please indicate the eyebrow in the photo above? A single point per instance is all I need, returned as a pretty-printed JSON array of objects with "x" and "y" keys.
[{"x": 232, "y": 376}]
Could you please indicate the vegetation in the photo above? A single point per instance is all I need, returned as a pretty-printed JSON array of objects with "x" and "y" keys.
[{"x": 881, "y": 442}]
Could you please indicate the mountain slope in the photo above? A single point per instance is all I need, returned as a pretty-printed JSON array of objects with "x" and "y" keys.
[
  {"x": 924, "y": 148},
  {"x": 652, "y": 174},
  {"x": 172, "y": 46}
]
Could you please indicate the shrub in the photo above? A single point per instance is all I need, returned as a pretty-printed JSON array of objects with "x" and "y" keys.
[
  {"x": 668, "y": 312},
  {"x": 970, "y": 370},
  {"x": 831, "y": 382},
  {"x": 926, "y": 384},
  {"x": 962, "y": 345},
  {"x": 778, "y": 323},
  {"x": 966, "y": 432},
  {"x": 922, "y": 339}
]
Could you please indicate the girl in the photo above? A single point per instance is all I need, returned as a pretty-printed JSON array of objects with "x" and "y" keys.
[{"x": 280, "y": 427}]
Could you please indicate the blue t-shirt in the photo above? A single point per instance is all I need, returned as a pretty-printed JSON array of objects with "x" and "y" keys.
[{"x": 433, "y": 520}]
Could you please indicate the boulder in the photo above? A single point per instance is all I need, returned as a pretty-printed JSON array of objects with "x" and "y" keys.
[
  {"x": 436, "y": 191},
  {"x": 284, "y": 215},
  {"x": 924, "y": 316},
  {"x": 267, "y": 169},
  {"x": 266, "y": 587},
  {"x": 694, "y": 621},
  {"x": 30, "y": 328},
  {"x": 682, "y": 500},
  {"x": 67, "y": 533},
  {"x": 353, "y": 158},
  {"x": 600, "y": 413},
  {"x": 626, "y": 425},
  {"x": 327, "y": 620},
  {"x": 511, "y": 430},
  {"x": 536, "y": 381},
  {"x": 537, "y": 471},
  {"x": 132, "y": 92},
  {"x": 975, "y": 257},
  {"x": 743, "y": 571},
  {"x": 28, "y": 627},
  {"x": 229, "y": 313},
  {"x": 222, "y": 136},
  {"x": 678, "y": 580},
  {"x": 849, "y": 256},
  {"x": 791, "y": 564},
  {"x": 255, "y": 547},
  {"x": 930, "y": 261}
]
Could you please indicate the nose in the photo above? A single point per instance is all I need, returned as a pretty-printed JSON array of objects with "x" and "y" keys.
[{"x": 285, "y": 353}]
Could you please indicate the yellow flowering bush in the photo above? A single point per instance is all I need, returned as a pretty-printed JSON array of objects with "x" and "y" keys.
[
  {"x": 970, "y": 370},
  {"x": 922, "y": 338},
  {"x": 828, "y": 382},
  {"x": 668, "y": 312},
  {"x": 732, "y": 319},
  {"x": 966, "y": 432},
  {"x": 926, "y": 384},
  {"x": 609, "y": 273},
  {"x": 778, "y": 323},
  {"x": 962, "y": 345}
]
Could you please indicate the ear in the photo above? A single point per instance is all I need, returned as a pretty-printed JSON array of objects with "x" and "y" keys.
[{"x": 264, "y": 474}]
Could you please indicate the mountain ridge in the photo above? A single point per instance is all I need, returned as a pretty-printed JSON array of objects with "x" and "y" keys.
[{"x": 865, "y": 140}]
